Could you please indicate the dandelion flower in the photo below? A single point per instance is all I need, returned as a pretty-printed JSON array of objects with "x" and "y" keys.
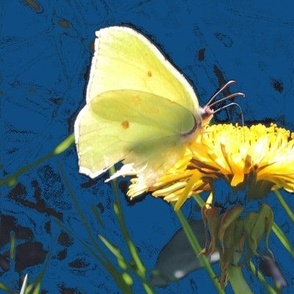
[{"x": 258, "y": 156}]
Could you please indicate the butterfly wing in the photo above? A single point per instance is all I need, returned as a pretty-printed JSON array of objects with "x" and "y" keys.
[
  {"x": 140, "y": 109},
  {"x": 140, "y": 128},
  {"x": 125, "y": 59}
]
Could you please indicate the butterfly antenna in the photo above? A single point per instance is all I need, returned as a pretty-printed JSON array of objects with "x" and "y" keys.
[
  {"x": 220, "y": 90},
  {"x": 237, "y": 94},
  {"x": 233, "y": 104},
  {"x": 208, "y": 107}
]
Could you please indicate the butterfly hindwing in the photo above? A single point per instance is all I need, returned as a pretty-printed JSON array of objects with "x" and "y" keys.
[{"x": 128, "y": 125}]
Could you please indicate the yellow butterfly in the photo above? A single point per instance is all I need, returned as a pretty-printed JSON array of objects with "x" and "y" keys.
[{"x": 139, "y": 109}]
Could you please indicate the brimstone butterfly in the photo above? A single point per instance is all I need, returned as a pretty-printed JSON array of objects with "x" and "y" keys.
[{"x": 139, "y": 108}]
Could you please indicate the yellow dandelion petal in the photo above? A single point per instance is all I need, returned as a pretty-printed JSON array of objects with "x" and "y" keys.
[
  {"x": 194, "y": 180},
  {"x": 169, "y": 190},
  {"x": 233, "y": 152}
]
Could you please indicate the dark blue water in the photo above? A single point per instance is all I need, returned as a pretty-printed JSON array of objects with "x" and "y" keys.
[{"x": 45, "y": 53}]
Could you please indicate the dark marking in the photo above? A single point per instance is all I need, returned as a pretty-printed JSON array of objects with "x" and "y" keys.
[
  {"x": 11, "y": 151},
  {"x": 47, "y": 227},
  {"x": 149, "y": 73},
  {"x": 64, "y": 239},
  {"x": 134, "y": 201},
  {"x": 100, "y": 206},
  {"x": 226, "y": 40},
  {"x": 201, "y": 54},
  {"x": 92, "y": 49},
  {"x": 278, "y": 85},
  {"x": 125, "y": 124},
  {"x": 8, "y": 224},
  {"x": 29, "y": 254},
  {"x": 123, "y": 186},
  {"x": 64, "y": 23},
  {"x": 193, "y": 285},
  {"x": 61, "y": 255},
  {"x": 4, "y": 263},
  {"x": 19, "y": 191},
  {"x": 89, "y": 183},
  {"x": 35, "y": 5},
  {"x": 18, "y": 194},
  {"x": 55, "y": 100},
  {"x": 78, "y": 263},
  {"x": 66, "y": 290},
  {"x": 221, "y": 79}
]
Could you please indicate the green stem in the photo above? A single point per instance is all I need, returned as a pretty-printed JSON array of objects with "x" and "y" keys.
[
  {"x": 237, "y": 280},
  {"x": 104, "y": 260},
  {"x": 107, "y": 264},
  {"x": 141, "y": 270},
  {"x": 199, "y": 200},
  {"x": 4, "y": 287},
  {"x": 283, "y": 239},
  {"x": 79, "y": 210},
  {"x": 12, "y": 245}
]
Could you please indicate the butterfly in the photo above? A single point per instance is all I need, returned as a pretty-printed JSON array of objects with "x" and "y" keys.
[{"x": 139, "y": 109}]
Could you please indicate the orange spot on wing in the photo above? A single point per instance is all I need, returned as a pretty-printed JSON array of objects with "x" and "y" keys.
[{"x": 125, "y": 124}]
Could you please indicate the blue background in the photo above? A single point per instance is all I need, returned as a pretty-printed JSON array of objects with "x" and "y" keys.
[{"x": 46, "y": 50}]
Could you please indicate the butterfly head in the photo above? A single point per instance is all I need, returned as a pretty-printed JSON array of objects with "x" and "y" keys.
[
  {"x": 206, "y": 115},
  {"x": 207, "y": 111}
]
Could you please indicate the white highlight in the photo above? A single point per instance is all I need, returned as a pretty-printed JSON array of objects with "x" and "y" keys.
[
  {"x": 215, "y": 257},
  {"x": 179, "y": 274}
]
